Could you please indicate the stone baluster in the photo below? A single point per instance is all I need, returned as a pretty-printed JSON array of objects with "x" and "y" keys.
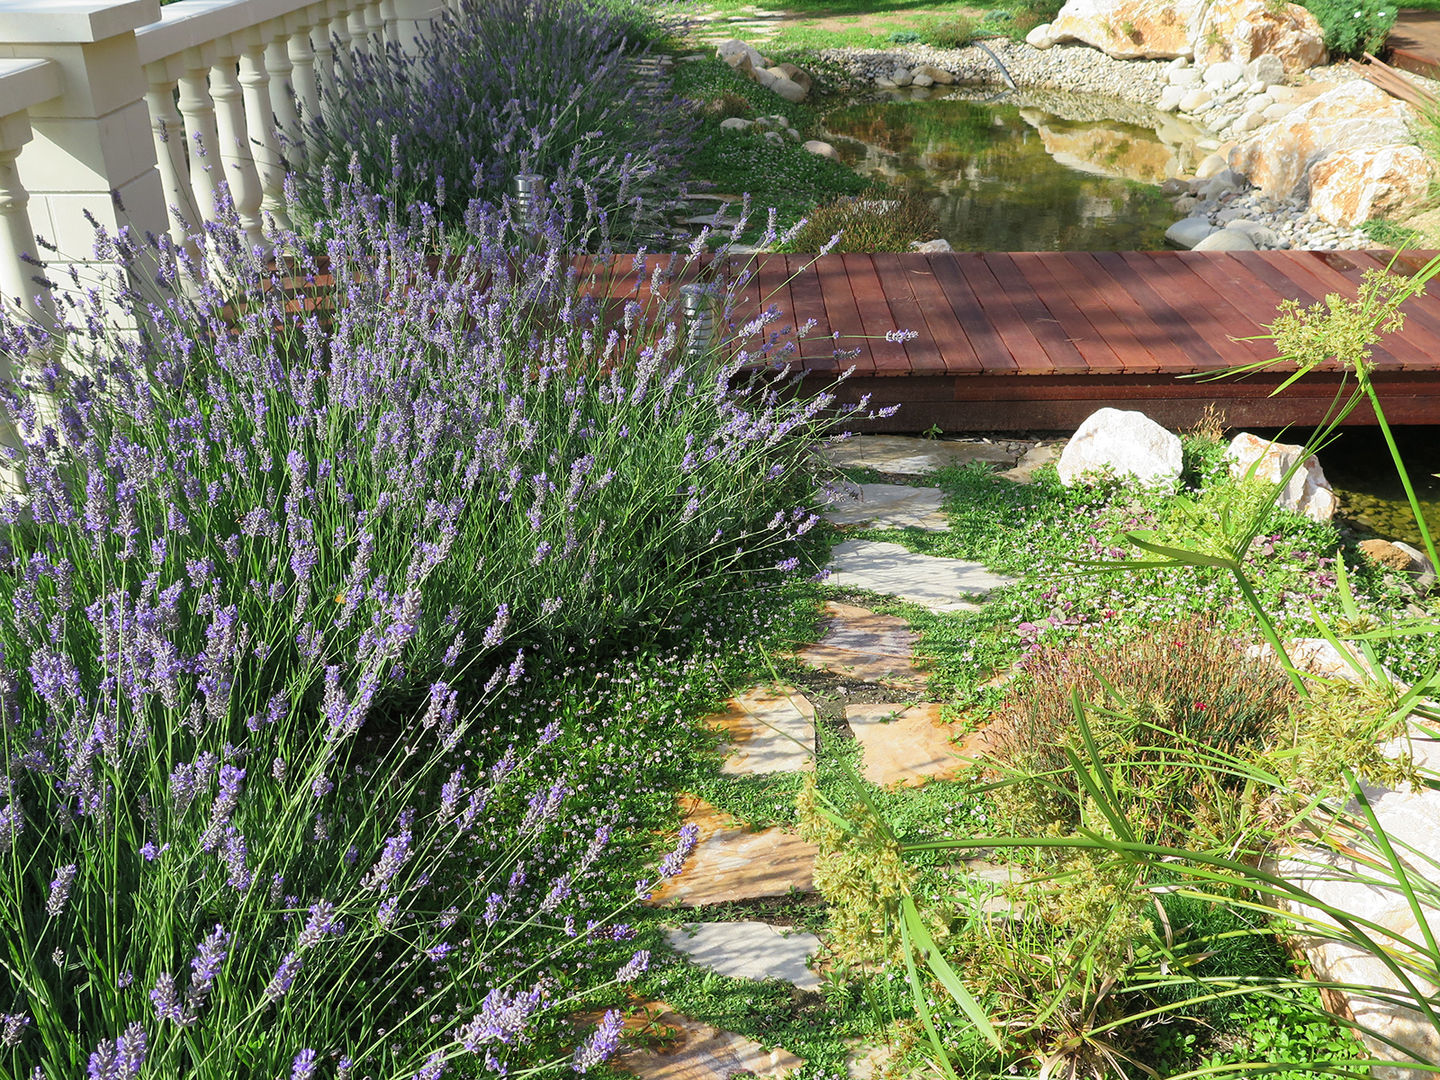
[
  {"x": 234, "y": 142},
  {"x": 374, "y": 27},
  {"x": 260, "y": 122},
  {"x": 18, "y": 282},
  {"x": 202, "y": 140},
  {"x": 340, "y": 38},
  {"x": 168, "y": 127},
  {"x": 304, "y": 77},
  {"x": 290, "y": 139},
  {"x": 359, "y": 31},
  {"x": 390, "y": 16},
  {"x": 415, "y": 19}
]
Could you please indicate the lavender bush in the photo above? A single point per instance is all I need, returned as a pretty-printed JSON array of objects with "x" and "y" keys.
[
  {"x": 255, "y": 528},
  {"x": 504, "y": 87}
]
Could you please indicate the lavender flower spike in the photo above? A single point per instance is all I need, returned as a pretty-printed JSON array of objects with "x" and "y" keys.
[
  {"x": 60, "y": 890},
  {"x": 673, "y": 863},
  {"x": 601, "y": 1043}
]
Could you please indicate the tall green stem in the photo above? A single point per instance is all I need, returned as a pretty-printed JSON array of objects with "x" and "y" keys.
[
  {"x": 1268, "y": 631},
  {"x": 1419, "y": 515}
]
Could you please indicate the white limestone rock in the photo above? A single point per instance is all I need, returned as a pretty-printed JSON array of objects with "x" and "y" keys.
[
  {"x": 1306, "y": 492},
  {"x": 1122, "y": 442}
]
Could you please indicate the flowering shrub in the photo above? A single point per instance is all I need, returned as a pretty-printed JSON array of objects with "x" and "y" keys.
[
  {"x": 1354, "y": 27},
  {"x": 278, "y": 546},
  {"x": 500, "y": 89}
]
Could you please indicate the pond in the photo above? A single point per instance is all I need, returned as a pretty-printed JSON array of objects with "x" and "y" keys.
[
  {"x": 1371, "y": 497},
  {"x": 1024, "y": 171}
]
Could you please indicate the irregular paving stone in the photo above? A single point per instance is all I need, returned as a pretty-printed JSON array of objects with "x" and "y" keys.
[
  {"x": 749, "y": 950},
  {"x": 909, "y": 744},
  {"x": 1033, "y": 459},
  {"x": 907, "y": 455},
  {"x": 678, "y": 1048},
  {"x": 732, "y": 863},
  {"x": 938, "y": 584},
  {"x": 767, "y": 731},
  {"x": 889, "y": 506},
  {"x": 862, "y": 645}
]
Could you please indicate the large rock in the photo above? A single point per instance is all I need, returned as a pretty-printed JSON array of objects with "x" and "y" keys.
[
  {"x": 1354, "y": 115},
  {"x": 1350, "y": 187},
  {"x": 1129, "y": 29},
  {"x": 741, "y": 56},
  {"x": 1306, "y": 492},
  {"x": 1242, "y": 30},
  {"x": 1226, "y": 240},
  {"x": 1187, "y": 232},
  {"x": 775, "y": 80},
  {"x": 1128, "y": 444}
]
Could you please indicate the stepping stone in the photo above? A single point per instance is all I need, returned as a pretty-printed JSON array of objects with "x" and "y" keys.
[
  {"x": 732, "y": 863},
  {"x": 909, "y": 744},
  {"x": 768, "y": 731},
  {"x": 911, "y": 456},
  {"x": 938, "y": 584},
  {"x": 678, "y": 1048},
  {"x": 861, "y": 645},
  {"x": 1033, "y": 459},
  {"x": 887, "y": 506},
  {"x": 749, "y": 950}
]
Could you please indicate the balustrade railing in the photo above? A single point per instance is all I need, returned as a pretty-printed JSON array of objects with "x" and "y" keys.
[{"x": 133, "y": 115}]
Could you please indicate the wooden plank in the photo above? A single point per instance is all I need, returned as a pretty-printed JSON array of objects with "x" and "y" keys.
[
  {"x": 1066, "y": 310},
  {"x": 1207, "y": 310},
  {"x": 1101, "y": 301},
  {"x": 1014, "y": 305},
  {"x": 817, "y": 350},
  {"x": 922, "y": 351},
  {"x": 1197, "y": 354},
  {"x": 875, "y": 314},
  {"x": 842, "y": 313},
  {"x": 946, "y": 331},
  {"x": 772, "y": 277},
  {"x": 989, "y": 346}
]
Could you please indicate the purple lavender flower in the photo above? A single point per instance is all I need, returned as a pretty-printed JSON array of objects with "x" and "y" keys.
[
  {"x": 12, "y": 1028},
  {"x": 433, "y": 1069},
  {"x": 60, "y": 890},
  {"x": 303, "y": 1067},
  {"x": 636, "y": 966},
  {"x": 503, "y": 1017},
  {"x": 120, "y": 1059},
  {"x": 321, "y": 923},
  {"x": 165, "y": 999},
  {"x": 600, "y": 1044},
  {"x": 11, "y": 823},
  {"x": 674, "y": 862},
  {"x": 209, "y": 959},
  {"x": 279, "y": 984},
  {"x": 392, "y": 858}
]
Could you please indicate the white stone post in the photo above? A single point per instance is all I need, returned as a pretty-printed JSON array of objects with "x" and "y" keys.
[
  {"x": 168, "y": 128},
  {"x": 94, "y": 139},
  {"x": 17, "y": 237},
  {"x": 260, "y": 121},
  {"x": 303, "y": 76},
  {"x": 234, "y": 142},
  {"x": 413, "y": 21},
  {"x": 202, "y": 140},
  {"x": 283, "y": 95}
]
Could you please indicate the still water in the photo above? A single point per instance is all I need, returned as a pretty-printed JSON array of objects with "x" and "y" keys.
[{"x": 1023, "y": 172}]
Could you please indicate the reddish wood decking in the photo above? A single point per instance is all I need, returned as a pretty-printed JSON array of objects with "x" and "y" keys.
[
  {"x": 1039, "y": 340},
  {"x": 1414, "y": 43}
]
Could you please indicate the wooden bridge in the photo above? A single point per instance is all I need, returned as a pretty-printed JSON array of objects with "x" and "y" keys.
[{"x": 1039, "y": 340}]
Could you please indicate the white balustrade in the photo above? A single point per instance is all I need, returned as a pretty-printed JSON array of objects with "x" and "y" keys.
[{"x": 135, "y": 114}]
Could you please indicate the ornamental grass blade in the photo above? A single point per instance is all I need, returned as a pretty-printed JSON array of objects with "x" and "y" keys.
[
  {"x": 917, "y": 937},
  {"x": 1180, "y": 556}
]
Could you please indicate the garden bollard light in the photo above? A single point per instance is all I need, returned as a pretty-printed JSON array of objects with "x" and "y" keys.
[
  {"x": 699, "y": 311},
  {"x": 524, "y": 190}
]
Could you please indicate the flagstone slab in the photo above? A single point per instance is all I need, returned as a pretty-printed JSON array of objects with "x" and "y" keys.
[
  {"x": 938, "y": 584},
  {"x": 862, "y": 645},
  {"x": 674, "y": 1047},
  {"x": 1033, "y": 459},
  {"x": 749, "y": 950},
  {"x": 731, "y": 863},
  {"x": 767, "y": 731},
  {"x": 909, "y": 744},
  {"x": 906, "y": 455},
  {"x": 886, "y": 506}
]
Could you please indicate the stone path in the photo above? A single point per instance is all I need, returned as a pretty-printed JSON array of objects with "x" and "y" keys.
[{"x": 903, "y": 742}]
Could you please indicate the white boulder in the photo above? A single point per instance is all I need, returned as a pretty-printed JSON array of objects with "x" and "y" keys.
[
  {"x": 1127, "y": 444},
  {"x": 1306, "y": 492}
]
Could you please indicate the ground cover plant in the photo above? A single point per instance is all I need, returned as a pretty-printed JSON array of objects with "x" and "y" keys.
[
  {"x": 1149, "y": 820},
  {"x": 279, "y": 571}
]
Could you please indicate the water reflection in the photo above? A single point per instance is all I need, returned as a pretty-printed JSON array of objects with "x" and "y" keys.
[{"x": 1017, "y": 174}]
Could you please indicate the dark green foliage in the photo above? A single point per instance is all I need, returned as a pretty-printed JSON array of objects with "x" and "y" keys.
[
  {"x": 1354, "y": 27},
  {"x": 867, "y": 224}
]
